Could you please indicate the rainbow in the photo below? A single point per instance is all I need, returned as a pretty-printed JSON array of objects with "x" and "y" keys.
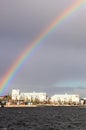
[{"x": 11, "y": 73}]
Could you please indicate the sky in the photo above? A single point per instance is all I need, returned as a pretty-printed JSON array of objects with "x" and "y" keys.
[{"x": 59, "y": 65}]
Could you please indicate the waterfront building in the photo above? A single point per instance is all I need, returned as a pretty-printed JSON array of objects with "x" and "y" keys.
[
  {"x": 65, "y": 98},
  {"x": 83, "y": 101},
  {"x": 2, "y": 97},
  {"x": 33, "y": 96},
  {"x": 16, "y": 95}
]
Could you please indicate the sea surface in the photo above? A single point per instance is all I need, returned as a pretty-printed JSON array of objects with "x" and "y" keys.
[{"x": 43, "y": 118}]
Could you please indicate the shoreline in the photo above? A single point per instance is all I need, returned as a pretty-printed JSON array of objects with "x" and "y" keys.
[{"x": 48, "y": 105}]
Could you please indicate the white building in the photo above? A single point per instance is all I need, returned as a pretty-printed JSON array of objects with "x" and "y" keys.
[
  {"x": 15, "y": 94},
  {"x": 34, "y": 95},
  {"x": 28, "y": 96},
  {"x": 65, "y": 98}
]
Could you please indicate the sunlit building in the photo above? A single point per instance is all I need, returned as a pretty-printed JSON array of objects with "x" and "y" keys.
[
  {"x": 28, "y": 96},
  {"x": 15, "y": 94},
  {"x": 65, "y": 98},
  {"x": 34, "y": 95}
]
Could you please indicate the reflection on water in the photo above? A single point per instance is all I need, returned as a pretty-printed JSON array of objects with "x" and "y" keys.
[{"x": 43, "y": 118}]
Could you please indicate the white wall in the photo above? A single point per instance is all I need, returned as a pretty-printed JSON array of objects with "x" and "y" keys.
[
  {"x": 24, "y": 96},
  {"x": 65, "y": 98},
  {"x": 34, "y": 95},
  {"x": 15, "y": 94}
]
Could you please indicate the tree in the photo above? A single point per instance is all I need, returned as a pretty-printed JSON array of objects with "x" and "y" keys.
[
  {"x": 8, "y": 97},
  {"x": 36, "y": 101}
]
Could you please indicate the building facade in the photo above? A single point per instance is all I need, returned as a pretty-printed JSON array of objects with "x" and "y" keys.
[
  {"x": 65, "y": 98},
  {"x": 15, "y": 94},
  {"x": 33, "y": 96},
  {"x": 28, "y": 96}
]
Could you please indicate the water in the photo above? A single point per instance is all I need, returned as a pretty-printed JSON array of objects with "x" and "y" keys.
[{"x": 43, "y": 118}]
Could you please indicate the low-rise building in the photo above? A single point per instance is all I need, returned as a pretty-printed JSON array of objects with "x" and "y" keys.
[
  {"x": 65, "y": 98},
  {"x": 34, "y": 95},
  {"x": 15, "y": 94},
  {"x": 83, "y": 101},
  {"x": 28, "y": 96}
]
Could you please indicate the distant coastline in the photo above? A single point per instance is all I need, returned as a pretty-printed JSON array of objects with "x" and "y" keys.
[{"x": 41, "y": 105}]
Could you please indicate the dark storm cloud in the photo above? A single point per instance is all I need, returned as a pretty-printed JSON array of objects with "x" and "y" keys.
[{"x": 62, "y": 55}]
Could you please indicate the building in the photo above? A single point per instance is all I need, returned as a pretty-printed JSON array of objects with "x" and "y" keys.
[
  {"x": 15, "y": 94},
  {"x": 65, "y": 98},
  {"x": 28, "y": 96},
  {"x": 83, "y": 101},
  {"x": 34, "y": 95},
  {"x": 2, "y": 97}
]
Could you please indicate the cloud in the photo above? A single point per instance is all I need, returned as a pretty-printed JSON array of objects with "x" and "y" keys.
[
  {"x": 63, "y": 53},
  {"x": 71, "y": 83}
]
